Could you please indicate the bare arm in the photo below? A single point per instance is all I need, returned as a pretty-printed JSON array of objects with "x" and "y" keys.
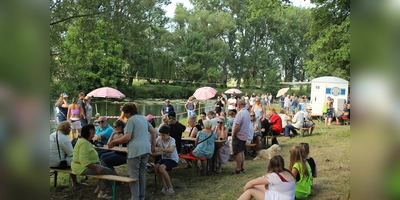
[
  {"x": 237, "y": 127},
  {"x": 168, "y": 150},
  {"x": 64, "y": 105},
  {"x": 124, "y": 139},
  {"x": 294, "y": 172},
  {"x": 194, "y": 132},
  {"x": 258, "y": 181},
  {"x": 68, "y": 113},
  {"x": 82, "y": 112},
  {"x": 152, "y": 132}
]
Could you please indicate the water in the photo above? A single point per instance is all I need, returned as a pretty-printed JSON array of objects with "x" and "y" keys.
[{"x": 145, "y": 107}]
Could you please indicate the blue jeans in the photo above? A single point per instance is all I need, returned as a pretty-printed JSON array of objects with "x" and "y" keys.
[
  {"x": 137, "y": 169},
  {"x": 103, "y": 184},
  {"x": 112, "y": 159},
  {"x": 289, "y": 128},
  {"x": 191, "y": 112}
]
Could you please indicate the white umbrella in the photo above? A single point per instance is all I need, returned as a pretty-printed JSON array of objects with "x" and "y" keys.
[
  {"x": 234, "y": 90},
  {"x": 282, "y": 91},
  {"x": 205, "y": 93}
]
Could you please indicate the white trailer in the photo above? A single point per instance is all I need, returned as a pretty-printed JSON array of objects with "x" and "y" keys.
[{"x": 325, "y": 86}]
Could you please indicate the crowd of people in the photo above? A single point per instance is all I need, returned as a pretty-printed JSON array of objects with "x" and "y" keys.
[{"x": 235, "y": 121}]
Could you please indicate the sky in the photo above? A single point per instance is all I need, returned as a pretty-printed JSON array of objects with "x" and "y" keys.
[{"x": 171, "y": 7}]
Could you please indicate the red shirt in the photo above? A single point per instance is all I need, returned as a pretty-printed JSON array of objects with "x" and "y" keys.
[{"x": 276, "y": 121}]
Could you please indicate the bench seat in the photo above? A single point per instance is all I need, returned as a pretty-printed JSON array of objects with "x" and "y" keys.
[{"x": 113, "y": 178}]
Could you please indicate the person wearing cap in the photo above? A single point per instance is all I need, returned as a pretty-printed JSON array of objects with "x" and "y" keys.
[
  {"x": 167, "y": 107},
  {"x": 297, "y": 123},
  {"x": 308, "y": 119},
  {"x": 240, "y": 131},
  {"x": 61, "y": 107}
]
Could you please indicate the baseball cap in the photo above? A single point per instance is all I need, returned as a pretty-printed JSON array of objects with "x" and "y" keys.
[
  {"x": 241, "y": 102},
  {"x": 329, "y": 97},
  {"x": 64, "y": 94},
  {"x": 149, "y": 117},
  {"x": 308, "y": 108},
  {"x": 167, "y": 100}
]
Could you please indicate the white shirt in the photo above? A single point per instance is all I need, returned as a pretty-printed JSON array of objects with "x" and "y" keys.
[
  {"x": 231, "y": 107},
  {"x": 65, "y": 149},
  {"x": 298, "y": 120},
  {"x": 284, "y": 118},
  {"x": 252, "y": 99}
]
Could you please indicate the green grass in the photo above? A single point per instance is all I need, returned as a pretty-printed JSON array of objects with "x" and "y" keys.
[{"x": 329, "y": 146}]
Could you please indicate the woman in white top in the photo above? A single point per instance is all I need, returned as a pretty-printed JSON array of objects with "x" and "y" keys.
[
  {"x": 278, "y": 183},
  {"x": 65, "y": 147},
  {"x": 285, "y": 118}
]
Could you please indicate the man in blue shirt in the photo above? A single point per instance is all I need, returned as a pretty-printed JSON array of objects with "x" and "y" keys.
[
  {"x": 167, "y": 108},
  {"x": 103, "y": 131}
]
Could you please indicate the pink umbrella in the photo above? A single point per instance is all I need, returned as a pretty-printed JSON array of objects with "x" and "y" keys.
[
  {"x": 106, "y": 92},
  {"x": 233, "y": 90},
  {"x": 204, "y": 93}
]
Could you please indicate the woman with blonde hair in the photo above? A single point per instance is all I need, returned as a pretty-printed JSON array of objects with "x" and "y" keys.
[
  {"x": 277, "y": 183},
  {"x": 302, "y": 171},
  {"x": 222, "y": 149},
  {"x": 75, "y": 111},
  {"x": 258, "y": 109},
  {"x": 190, "y": 106},
  {"x": 62, "y": 108}
]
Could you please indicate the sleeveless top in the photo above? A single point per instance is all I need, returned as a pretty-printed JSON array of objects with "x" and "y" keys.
[{"x": 190, "y": 105}]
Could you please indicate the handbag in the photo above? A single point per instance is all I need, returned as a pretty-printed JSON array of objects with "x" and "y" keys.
[{"x": 63, "y": 163}]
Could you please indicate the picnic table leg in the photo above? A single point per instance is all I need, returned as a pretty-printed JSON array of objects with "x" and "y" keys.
[
  {"x": 114, "y": 186},
  {"x": 55, "y": 179}
]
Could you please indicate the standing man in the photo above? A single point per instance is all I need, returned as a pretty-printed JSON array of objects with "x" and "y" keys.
[
  {"x": 282, "y": 100},
  {"x": 139, "y": 148},
  {"x": 240, "y": 134},
  {"x": 294, "y": 103},
  {"x": 286, "y": 103},
  {"x": 81, "y": 102},
  {"x": 167, "y": 107},
  {"x": 232, "y": 103}
]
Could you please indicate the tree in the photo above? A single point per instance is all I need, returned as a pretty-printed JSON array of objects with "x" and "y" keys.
[{"x": 330, "y": 35}]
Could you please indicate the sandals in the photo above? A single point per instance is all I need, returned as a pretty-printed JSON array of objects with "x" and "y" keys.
[
  {"x": 237, "y": 172},
  {"x": 105, "y": 196}
]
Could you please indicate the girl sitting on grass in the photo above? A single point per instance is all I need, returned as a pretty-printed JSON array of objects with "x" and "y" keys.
[
  {"x": 278, "y": 183},
  {"x": 302, "y": 171}
]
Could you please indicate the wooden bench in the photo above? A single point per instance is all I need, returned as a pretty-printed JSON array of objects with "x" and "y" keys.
[
  {"x": 305, "y": 129},
  {"x": 193, "y": 161},
  {"x": 113, "y": 178}
]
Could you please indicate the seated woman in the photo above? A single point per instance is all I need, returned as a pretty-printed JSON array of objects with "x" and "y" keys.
[
  {"x": 86, "y": 160},
  {"x": 114, "y": 158},
  {"x": 195, "y": 128},
  {"x": 62, "y": 151},
  {"x": 166, "y": 144},
  {"x": 278, "y": 183},
  {"x": 204, "y": 144}
]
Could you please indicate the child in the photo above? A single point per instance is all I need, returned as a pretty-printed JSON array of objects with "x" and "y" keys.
[
  {"x": 310, "y": 160},
  {"x": 166, "y": 144},
  {"x": 302, "y": 171}
]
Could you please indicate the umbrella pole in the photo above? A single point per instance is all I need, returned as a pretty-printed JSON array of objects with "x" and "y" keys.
[
  {"x": 106, "y": 107},
  {"x": 96, "y": 107}
]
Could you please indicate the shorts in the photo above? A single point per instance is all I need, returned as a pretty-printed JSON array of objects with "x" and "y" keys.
[
  {"x": 238, "y": 145},
  {"x": 257, "y": 135},
  {"x": 329, "y": 114},
  {"x": 76, "y": 123},
  {"x": 168, "y": 163}
]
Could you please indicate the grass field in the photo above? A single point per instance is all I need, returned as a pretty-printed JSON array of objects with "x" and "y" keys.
[{"x": 329, "y": 146}]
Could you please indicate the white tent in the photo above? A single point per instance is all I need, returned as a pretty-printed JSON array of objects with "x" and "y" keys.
[{"x": 325, "y": 86}]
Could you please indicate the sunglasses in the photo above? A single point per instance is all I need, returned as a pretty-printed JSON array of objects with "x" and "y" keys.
[
  {"x": 116, "y": 126},
  {"x": 252, "y": 115},
  {"x": 101, "y": 121},
  {"x": 220, "y": 122}
]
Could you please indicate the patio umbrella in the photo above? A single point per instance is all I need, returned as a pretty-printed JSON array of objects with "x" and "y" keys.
[
  {"x": 233, "y": 90},
  {"x": 282, "y": 91},
  {"x": 205, "y": 93},
  {"x": 106, "y": 92}
]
